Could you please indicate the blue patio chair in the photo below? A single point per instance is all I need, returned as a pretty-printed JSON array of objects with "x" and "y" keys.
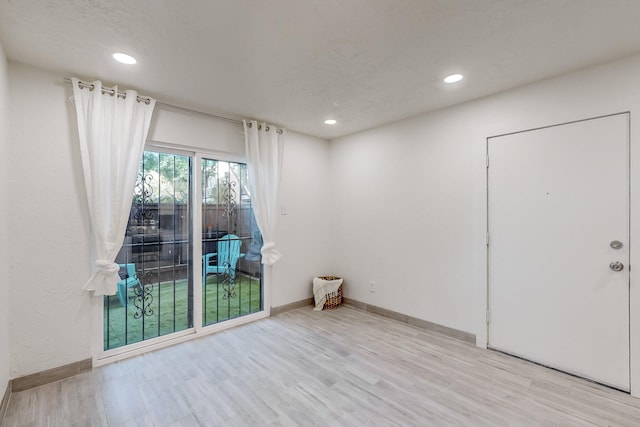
[
  {"x": 226, "y": 258},
  {"x": 129, "y": 280}
]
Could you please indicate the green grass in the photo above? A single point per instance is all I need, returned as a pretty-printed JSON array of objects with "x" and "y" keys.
[{"x": 168, "y": 311}]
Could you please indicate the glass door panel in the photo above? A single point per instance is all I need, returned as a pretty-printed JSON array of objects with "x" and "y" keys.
[
  {"x": 155, "y": 293},
  {"x": 231, "y": 243}
]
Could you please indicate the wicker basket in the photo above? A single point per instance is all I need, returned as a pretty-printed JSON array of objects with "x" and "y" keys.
[{"x": 333, "y": 301}]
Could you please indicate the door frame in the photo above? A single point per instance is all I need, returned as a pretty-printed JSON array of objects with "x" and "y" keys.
[
  {"x": 482, "y": 339},
  {"x": 101, "y": 357}
]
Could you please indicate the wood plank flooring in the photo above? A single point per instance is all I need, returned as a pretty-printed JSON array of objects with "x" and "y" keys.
[{"x": 344, "y": 367}]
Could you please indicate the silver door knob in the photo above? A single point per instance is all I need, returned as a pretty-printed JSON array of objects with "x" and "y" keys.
[
  {"x": 616, "y": 244},
  {"x": 616, "y": 266}
]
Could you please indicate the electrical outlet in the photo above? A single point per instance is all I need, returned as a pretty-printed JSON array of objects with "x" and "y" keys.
[
  {"x": 372, "y": 286},
  {"x": 284, "y": 210}
]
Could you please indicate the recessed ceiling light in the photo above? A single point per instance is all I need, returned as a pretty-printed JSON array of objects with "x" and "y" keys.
[
  {"x": 330, "y": 122},
  {"x": 453, "y": 78},
  {"x": 124, "y": 58}
]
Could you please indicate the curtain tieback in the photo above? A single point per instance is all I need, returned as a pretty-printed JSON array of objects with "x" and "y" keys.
[
  {"x": 106, "y": 267},
  {"x": 269, "y": 253},
  {"x": 268, "y": 246}
]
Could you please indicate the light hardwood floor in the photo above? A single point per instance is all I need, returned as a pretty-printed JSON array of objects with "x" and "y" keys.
[{"x": 344, "y": 367}]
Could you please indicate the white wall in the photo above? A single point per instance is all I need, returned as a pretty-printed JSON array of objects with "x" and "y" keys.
[
  {"x": 50, "y": 322},
  {"x": 195, "y": 131},
  {"x": 4, "y": 228},
  {"x": 404, "y": 197},
  {"x": 304, "y": 235},
  {"x": 50, "y": 314},
  {"x": 427, "y": 251}
]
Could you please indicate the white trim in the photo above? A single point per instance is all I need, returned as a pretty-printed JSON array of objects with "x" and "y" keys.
[
  {"x": 196, "y": 237},
  {"x": 97, "y": 324},
  {"x": 267, "y": 272},
  {"x": 170, "y": 148},
  {"x": 231, "y": 323},
  {"x": 102, "y": 357},
  {"x": 128, "y": 348},
  {"x": 222, "y": 156},
  {"x": 482, "y": 331},
  {"x": 175, "y": 338}
]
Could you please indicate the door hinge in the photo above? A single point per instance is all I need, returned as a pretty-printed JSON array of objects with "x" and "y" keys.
[
  {"x": 487, "y": 161},
  {"x": 487, "y": 317},
  {"x": 487, "y": 238}
]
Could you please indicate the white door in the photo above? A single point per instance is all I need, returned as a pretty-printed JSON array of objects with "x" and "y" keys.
[{"x": 558, "y": 200}]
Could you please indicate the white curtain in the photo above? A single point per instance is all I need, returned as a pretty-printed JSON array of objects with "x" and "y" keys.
[
  {"x": 264, "y": 147},
  {"x": 112, "y": 130}
]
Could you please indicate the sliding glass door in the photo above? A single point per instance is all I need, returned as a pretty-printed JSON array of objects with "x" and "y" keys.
[
  {"x": 155, "y": 293},
  {"x": 159, "y": 275},
  {"x": 231, "y": 242}
]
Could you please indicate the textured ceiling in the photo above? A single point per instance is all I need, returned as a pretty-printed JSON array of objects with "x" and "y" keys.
[{"x": 298, "y": 62}]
